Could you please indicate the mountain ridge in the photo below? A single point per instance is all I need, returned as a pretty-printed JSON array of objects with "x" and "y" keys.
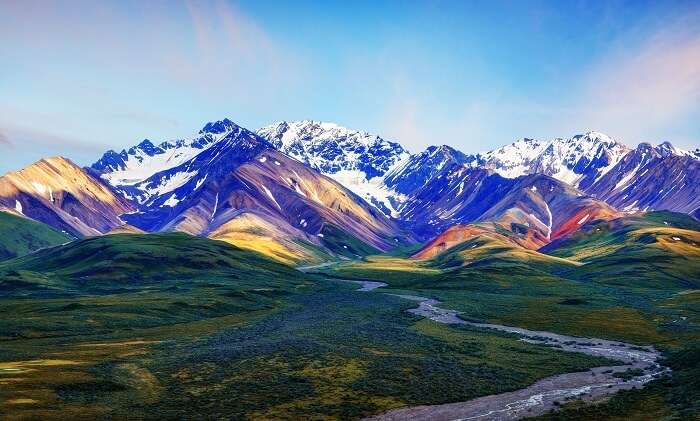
[{"x": 288, "y": 184}]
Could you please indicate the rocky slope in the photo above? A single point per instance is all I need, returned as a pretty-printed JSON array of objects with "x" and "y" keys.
[
  {"x": 358, "y": 160},
  {"x": 532, "y": 209},
  {"x": 652, "y": 178},
  {"x": 237, "y": 182},
  {"x": 64, "y": 196},
  {"x": 20, "y": 236}
]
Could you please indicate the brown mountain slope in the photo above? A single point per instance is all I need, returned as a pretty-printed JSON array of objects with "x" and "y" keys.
[
  {"x": 531, "y": 213},
  {"x": 60, "y": 194},
  {"x": 273, "y": 202}
]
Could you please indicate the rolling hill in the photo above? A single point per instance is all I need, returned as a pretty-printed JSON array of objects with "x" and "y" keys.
[
  {"x": 119, "y": 263},
  {"x": 656, "y": 250},
  {"x": 20, "y": 236}
]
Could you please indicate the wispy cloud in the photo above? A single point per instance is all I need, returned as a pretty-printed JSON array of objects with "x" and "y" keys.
[
  {"x": 5, "y": 141},
  {"x": 29, "y": 137},
  {"x": 635, "y": 94},
  {"x": 110, "y": 73}
]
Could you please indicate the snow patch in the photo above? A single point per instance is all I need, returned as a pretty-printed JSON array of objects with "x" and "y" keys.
[
  {"x": 269, "y": 194},
  {"x": 39, "y": 187},
  {"x": 172, "y": 201},
  {"x": 167, "y": 185}
]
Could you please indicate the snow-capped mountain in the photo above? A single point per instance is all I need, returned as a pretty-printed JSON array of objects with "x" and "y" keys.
[
  {"x": 130, "y": 170},
  {"x": 652, "y": 178},
  {"x": 358, "y": 160},
  {"x": 578, "y": 161},
  {"x": 382, "y": 173},
  {"x": 422, "y": 167},
  {"x": 226, "y": 178}
]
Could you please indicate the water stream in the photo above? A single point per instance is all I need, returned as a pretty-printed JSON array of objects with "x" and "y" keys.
[{"x": 545, "y": 394}]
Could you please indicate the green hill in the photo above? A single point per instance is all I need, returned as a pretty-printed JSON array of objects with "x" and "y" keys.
[
  {"x": 20, "y": 236},
  {"x": 655, "y": 250},
  {"x": 632, "y": 278},
  {"x": 119, "y": 262}
]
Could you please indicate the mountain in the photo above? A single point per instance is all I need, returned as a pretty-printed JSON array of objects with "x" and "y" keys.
[
  {"x": 64, "y": 196},
  {"x": 20, "y": 236},
  {"x": 578, "y": 161},
  {"x": 386, "y": 176},
  {"x": 306, "y": 191},
  {"x": 643, "y": 178},
  {"x": 132, "y": 171},
  {"x": 652, "y": 178},
  {"x": 420, "y": 168},
  {"x": 647, "y": 177},
  {"x": 356, "y": 159},
  {"x": 532, "y": 209},
  {"x": 235, "y": 182}
]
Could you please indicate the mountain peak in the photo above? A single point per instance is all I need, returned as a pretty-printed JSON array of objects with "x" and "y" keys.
[
  {"x": 218, "y": 127},
  {"x": 312, "y": 131},
  {"x": 582, "y": 158},
  {"x": 331, "y": 148},
  {"x": 594, "y": 135},
  {"x": 58, "y": 161},
  {"x": 667, "y": 149}
]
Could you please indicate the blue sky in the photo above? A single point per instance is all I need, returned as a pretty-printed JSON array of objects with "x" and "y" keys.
[{"x": 78, "y": 78}]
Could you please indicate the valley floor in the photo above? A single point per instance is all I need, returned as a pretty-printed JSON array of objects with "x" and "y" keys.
[
  {"x": 327, "y": 352},
  {"x": 286, "y": 345}
]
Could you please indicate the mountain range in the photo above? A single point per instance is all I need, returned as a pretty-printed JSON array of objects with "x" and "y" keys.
[
  {"x": 310, "y": 191},
  {"x": 169, "y": 277}
]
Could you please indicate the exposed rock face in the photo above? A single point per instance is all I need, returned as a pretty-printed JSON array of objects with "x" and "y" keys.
[
  {"x": 649, "y": 178},
  {"x": 60, "y": 194},
  {"x": 238, "y": 176},
  {"x": 356, "y": 159}
]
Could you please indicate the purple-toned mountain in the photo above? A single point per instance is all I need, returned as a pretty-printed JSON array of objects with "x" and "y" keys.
[
  {"x": 531, "y": 209},
  {"x": 227, "y": 182},
  {"x": 652, "y": 178},
  {"x": 644, "y": 178}
]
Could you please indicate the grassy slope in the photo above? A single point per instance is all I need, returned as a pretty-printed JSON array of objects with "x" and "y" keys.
[
  {"x": 20, "y": 236},
  {"x": 117, "y": 263},
  {"x": 72, "y": 309},
  {"x": 167, "y": 325},
  {"x": 631, "y": 280},
  {"x": 252, "y": 232},
  {"x": 106, "y": 277},
  {"x": 656, "y": 250},
  {"x": 343, "y": 244}
]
